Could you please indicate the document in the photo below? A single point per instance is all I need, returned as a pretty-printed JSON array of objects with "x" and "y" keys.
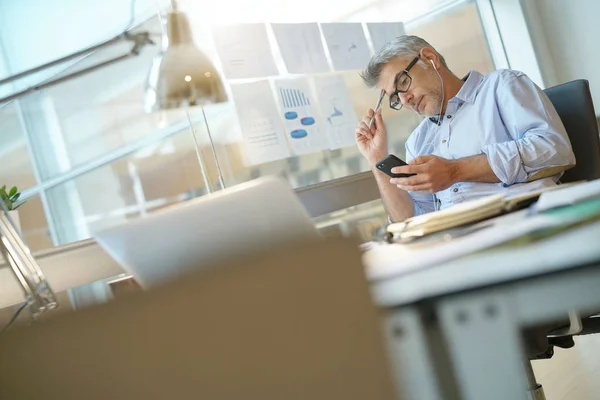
[
  {"x": 396, "y": 259},
  {"x": 383, "y": 32},
  {"x": 299, "y": 115},
  {"x": 566, "y": 195},
  {"x": 347, "y": 45},
  {"x": 339, "y": 118},
  {"x": 301, "y": 47},
  {"x": 244, "y": 51},
  {"x": 261, "y": 126}
]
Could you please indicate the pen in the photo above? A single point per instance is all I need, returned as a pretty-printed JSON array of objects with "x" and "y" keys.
[{"x": 377, "y": 107}]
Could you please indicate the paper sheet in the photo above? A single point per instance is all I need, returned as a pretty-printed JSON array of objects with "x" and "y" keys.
[
  {"x": 299, "y": 116},
  {"x": 244, "y": 51},
  {"x": 337, "y": 110},
  {"x": 301, "y": 47},
  {"x": 347, "y": 45},
  {"x": 396, "y": 259},
  {"x": 564, "y": 196},
  {"x": 383, "y": 32},
  {"x": 261, "y": 126}
]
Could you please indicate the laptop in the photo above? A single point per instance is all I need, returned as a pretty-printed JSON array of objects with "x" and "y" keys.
[{"x": 246, "y": 218}]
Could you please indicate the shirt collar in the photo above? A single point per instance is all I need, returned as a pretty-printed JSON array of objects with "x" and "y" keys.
[{"x": 468, "y": 91}]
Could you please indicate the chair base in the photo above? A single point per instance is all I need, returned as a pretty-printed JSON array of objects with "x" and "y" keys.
[{"x": 537, "y": 393}]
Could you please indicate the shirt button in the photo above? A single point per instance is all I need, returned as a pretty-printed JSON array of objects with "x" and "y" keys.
[
  {"x": 455, "y": 190},
  {"x": 449, "y": 116},
  {"x": 444, "y": 141}
]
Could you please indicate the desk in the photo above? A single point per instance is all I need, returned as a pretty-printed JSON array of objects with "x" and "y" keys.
[{"x": 454, "y": 328}]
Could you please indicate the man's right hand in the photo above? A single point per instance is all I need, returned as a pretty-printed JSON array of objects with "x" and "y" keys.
[{"x": 372, "y": 143}]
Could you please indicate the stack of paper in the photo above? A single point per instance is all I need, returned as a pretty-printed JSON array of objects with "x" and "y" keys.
[
  {"x": 490, "y": 206},
  {"x": 460, "y": 214},
  {"x": 566, "y": 196}
]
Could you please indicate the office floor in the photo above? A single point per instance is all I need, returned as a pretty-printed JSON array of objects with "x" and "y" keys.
[{"x": 572, "y": 374}]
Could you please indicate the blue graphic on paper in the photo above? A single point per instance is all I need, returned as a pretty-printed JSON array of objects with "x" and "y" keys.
[
  {"x": 335, "y": 113},
  {"x": 307, "y": 121},
  {"x": 298, "y": 134},
  {"x": 296, "y": 99},
  {"x": 292, "y": 98},
  {"x": 291, "y": 115}
]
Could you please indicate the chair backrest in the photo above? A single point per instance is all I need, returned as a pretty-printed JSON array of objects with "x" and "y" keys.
[{"x": 573, "y": 102}]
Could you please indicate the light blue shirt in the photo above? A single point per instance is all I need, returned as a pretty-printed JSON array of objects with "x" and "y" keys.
[{"x": 505, "y": 116}]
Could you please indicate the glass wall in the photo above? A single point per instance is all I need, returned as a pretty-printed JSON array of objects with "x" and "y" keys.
[{"x": 88, "y": 157}]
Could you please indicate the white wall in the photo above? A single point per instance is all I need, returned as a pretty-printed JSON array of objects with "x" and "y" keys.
[{"x": 568, "y": 34}]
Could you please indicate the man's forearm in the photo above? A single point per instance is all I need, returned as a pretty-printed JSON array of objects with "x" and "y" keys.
[
  {"x": 473, "y": 169},
  {"x": 397, "y": 202}
]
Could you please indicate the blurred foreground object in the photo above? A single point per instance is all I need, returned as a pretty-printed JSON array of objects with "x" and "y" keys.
[{"x": 293, "y": 323}]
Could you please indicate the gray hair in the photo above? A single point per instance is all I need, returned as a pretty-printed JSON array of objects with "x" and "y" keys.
[{"x": 403, "y": 46}]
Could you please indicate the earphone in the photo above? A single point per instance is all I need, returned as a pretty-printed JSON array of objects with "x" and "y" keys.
[
  {"x": 442, "y": 83},
  {"x": 439, "y": 123},
  {"x": 435, "y": 203}
]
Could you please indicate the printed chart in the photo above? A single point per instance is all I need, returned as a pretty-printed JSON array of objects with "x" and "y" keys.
[
  {"x": 337, "y": 110},
  {"x": 347, "y": 45},
  {"x": 299, "y": 115},
  {"x": 301, "y": 47},
  {"x": 244, "y": 51},
  {"x": 261, "y": 125},
  {"x": 382, "y": 32}
]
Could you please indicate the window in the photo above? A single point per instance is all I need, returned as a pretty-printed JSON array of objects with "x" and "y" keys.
[{"x": 99, "y": 160}]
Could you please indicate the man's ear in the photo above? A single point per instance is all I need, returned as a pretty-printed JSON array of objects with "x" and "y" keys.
[{"x": 428, "y": 55}]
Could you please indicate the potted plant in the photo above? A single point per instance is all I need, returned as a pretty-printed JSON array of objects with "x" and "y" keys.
[{"x": 12, "y": 201}]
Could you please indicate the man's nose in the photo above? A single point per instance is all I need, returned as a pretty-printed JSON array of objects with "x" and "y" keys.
[{"x": 406, "y": 98}]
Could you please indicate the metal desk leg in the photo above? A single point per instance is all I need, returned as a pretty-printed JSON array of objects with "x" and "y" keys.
[
  {"x": 420, "y": 371},
  {"x": 485, "y": 347},
  {"x": 535, "y": 391}
]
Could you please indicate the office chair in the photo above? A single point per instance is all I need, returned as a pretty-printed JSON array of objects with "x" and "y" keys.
[{"x": 573, "y": 102}]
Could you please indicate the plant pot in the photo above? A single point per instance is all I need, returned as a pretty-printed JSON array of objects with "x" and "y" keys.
[{"x": 14, "y": 216}]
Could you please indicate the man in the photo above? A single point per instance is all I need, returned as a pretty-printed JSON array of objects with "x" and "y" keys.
[{"x": 483, "y": 135}]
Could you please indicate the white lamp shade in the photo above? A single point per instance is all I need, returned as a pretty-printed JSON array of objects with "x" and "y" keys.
[{"x": 181, "y": 75}]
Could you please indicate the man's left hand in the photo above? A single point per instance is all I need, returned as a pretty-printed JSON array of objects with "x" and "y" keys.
[{"x": 433, "y": 174}]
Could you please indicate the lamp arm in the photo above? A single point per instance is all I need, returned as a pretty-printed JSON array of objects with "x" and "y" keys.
[{"x": 139, "y": 41}]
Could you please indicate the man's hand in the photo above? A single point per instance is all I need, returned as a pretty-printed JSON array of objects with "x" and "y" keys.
[
  {"x": 372, "y": 142},
  {"x": 433, "y": 174}
]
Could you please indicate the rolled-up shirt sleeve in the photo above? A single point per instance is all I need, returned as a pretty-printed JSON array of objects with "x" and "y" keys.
[{"x": 540, "y": 147}]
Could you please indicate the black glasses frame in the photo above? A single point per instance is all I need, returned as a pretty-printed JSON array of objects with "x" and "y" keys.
[{"x": 395, "y": 103}]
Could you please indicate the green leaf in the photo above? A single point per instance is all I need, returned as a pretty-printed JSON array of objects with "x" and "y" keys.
[
  {"x": 15, "y": 197},
  {"x": 9, "y": 204},
  {"x": 13, "y": 191},
  {"x": 18, "y": 204}
]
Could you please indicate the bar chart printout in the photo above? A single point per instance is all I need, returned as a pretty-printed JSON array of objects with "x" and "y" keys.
[{"x": 300, "y": 116}]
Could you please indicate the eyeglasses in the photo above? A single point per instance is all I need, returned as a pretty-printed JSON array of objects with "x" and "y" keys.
[{"x": 402, "y": 84}]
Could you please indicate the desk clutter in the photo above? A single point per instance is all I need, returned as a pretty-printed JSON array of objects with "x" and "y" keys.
[
  {"x": 478, "y": 210},
  {"x": 479, "y": 225}
]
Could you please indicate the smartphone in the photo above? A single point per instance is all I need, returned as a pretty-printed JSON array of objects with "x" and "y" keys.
[{"x": 390, "y": 162}]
